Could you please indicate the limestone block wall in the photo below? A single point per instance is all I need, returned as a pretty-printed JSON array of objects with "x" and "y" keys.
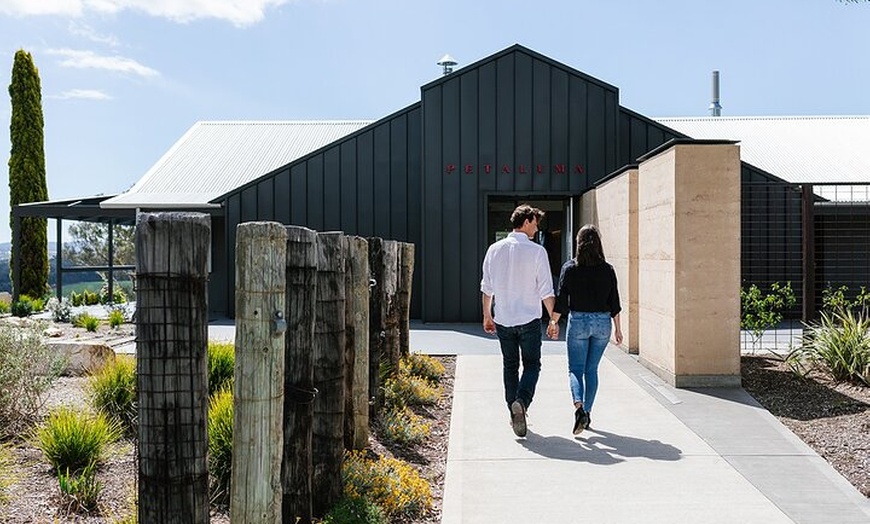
[
  {"x": 617, "y": 220},
  {"x": 689, "y": 264},
  {"x": 588, "y": 212}
]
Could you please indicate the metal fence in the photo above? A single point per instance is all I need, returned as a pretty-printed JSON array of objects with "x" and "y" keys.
[{"x": 813, "y": 238}]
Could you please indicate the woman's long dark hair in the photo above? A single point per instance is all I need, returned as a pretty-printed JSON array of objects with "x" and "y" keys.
[{"x": 589, "y": 249}]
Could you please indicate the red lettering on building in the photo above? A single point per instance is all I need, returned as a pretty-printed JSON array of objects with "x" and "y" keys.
[{"x": 558, "y": 169}]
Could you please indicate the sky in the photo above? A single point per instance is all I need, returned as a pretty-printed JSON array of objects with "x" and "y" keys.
[{"x": 123, "y": 80}]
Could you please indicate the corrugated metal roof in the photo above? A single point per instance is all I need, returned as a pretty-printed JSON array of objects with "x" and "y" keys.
[
  {"x": 213, "y": 158},
  {"x": 797, "y": 148}
]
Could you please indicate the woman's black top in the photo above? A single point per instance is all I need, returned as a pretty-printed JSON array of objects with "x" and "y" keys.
[{"x": 590, "y": 289}]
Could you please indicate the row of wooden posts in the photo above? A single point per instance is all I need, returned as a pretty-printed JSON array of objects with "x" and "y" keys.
[{"x": 318, "y": 317}]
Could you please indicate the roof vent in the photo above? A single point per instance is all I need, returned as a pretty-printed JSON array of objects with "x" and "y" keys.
[
  {"x": 447, "y": 62},
  {"x": 715, "y": 107}
]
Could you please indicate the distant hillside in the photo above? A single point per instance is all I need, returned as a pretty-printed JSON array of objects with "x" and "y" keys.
[{"x": 6, "y": 249}]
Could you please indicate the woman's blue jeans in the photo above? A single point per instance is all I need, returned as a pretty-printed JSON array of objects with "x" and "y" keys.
[
  {"x": 587, "y": 337},
  {"x": 520, "y": 342}
]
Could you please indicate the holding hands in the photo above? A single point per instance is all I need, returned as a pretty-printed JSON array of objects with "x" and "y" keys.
[{"x": 553, "y": 329}]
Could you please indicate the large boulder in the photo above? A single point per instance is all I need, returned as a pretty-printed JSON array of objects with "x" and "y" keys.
[{"x": 83, "y": 356}]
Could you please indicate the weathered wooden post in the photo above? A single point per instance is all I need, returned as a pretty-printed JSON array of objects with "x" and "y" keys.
[
  {"x": 391, "y": 320},
  {"x": 258, "y": 393},
  {"x": 377, "y": 317},
  {"x": 171, "y": 366},
  {"x": 356, "y": 423},
  {"x": 299, "y": 375},
  {"x": 329, "y": 347},
  {"x": 403, "y": 296}
]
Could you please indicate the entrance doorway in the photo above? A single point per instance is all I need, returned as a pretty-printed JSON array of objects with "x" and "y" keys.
[{"x": 554, "y": 231}]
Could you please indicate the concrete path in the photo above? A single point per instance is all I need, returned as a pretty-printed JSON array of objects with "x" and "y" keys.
[{"x": 655, "y": 454}]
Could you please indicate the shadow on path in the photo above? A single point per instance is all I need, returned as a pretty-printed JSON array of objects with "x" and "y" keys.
[{"x": 599, "y": 447}]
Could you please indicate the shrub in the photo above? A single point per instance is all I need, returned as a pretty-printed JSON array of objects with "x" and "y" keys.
[
  {"x": 90, "y": 298},
  {"x": 759, "y": 312},
  {"x": 355, "y": 511},
  {"x": 835, "y": 300},
  {"x": 404, "y": 389},
  {"x": 118, "y": 295},
  {"x": 116, "y": 318},
  {"x": 839, "y": 345},
  {"x": 221, "y": 360},
  {"x": 392, "y": 484},
  {"x": 423, "y": 366},
  {"x": 72, "y": 440},
  {"x": 4, "y": 307},
  {"x": 22, "y": 308},
  {"x": 61, "y": 310},
  {"x": 7, "y": 473},
  {"x": 403, "y": 426},
  {"x": 220, "y": 442},
  {"x": 87, "y": 321},
  {"x": 112, "y": 391},
  {"x": 82, "y": 490},
  {"x": 77, "y": 299},
  {"x": 27, "y": 370}
]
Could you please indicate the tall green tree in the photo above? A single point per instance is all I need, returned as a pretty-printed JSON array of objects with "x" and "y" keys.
[{"x": 27, "y": 173}]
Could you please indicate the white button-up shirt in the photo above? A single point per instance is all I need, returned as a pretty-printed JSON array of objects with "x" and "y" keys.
[{"x": 516, "y": 273}]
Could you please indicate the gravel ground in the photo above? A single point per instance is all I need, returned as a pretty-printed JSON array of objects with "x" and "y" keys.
[
  {"x": 833, "y": 419},
  {"x": 35, "y": 497}
]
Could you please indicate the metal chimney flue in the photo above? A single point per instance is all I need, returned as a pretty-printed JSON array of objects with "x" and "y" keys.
[
  {"x": 448, "y": 63},
  {"x": 715, "y": 106}
]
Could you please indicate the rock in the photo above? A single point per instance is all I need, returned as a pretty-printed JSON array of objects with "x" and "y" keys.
[
  {"x": 6, "y": 297},
  {"x": 53, "y": 332},
  {"x": 83, "y": 356}
]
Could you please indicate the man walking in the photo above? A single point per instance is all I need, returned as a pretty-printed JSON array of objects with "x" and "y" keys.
[{"x": 516, "y": 279}]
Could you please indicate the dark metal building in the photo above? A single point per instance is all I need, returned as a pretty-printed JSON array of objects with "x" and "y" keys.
[{"x": 445, "y": 172}]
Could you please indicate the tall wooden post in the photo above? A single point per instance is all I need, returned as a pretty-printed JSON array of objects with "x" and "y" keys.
[
  {"x": 329, "y": 347},
  {"x": 171, "y": 366},
  {"x": 258, "y": 393},
  {"x": 391, "y": 320},
  {"x": 403, "y": 296},
  {"x": 299, "y": 375},
  {"x": 356, "y": 423},
  {"x": 377, "y": 318}
]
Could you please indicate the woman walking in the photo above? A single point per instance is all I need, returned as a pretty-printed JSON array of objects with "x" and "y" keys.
[{"x": 589, "y": 297}]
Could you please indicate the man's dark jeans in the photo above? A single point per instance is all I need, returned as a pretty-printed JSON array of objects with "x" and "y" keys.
[{"x": 520, "y": 342}]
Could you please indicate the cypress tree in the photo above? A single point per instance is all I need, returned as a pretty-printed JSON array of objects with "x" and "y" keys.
[{"x": 27, "y": 174}]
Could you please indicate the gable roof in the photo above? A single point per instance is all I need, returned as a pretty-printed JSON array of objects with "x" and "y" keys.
[
  {"x": 798, "y": 149},
  {"x": 213, "y": 158}
]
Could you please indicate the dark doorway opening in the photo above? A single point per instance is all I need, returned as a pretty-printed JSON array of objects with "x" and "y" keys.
[{"x": 554, "y": 231}]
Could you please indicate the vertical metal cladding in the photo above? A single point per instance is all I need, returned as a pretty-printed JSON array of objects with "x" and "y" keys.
[
  {"x": 516, "y": 123},
  {"x": 364, "y": 184}
]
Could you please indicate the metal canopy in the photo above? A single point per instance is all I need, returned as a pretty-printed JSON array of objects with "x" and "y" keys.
[
  {"x": 85, "y": 209},
  {"x": 81, "y": 209}
]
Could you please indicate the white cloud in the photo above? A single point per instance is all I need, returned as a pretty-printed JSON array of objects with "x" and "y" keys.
[
  {"x": 41, "y": 7},
  {"x": 87, "y": 94},
  {"x": 86, "y": 31},
  {"x": 237, "y": 12},
  {"x": 90, "y": 60}
]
